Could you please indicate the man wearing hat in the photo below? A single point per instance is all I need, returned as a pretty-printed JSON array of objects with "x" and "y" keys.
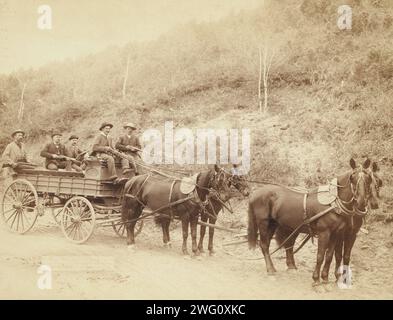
[
  {"x": 55, "y": 153},
  {"x": 14, "y": 155},
  {"x": 74, "y": 152},
  {"x": 129, "y": 143},
  {"x": 102, "y": 145}
]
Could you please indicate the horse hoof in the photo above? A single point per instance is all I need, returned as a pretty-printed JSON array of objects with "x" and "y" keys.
[
  {"x": 291, "y": 269},
  {"x": 328, "y": 286},
  {"x": 187, "y": 257},
  {"x": 167, "y": 245},
  {"x": 131, "y": 247},
  {"x": 212, "y": 253}
]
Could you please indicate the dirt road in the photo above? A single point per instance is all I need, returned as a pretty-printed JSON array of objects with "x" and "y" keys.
[{"x": 104, "y": 268}]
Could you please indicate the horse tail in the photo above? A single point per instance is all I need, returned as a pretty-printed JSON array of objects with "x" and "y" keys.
[{"x": 252, "y": 228}]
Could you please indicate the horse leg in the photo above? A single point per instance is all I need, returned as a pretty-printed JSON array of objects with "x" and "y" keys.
[
  {"x": 164, "y": 225},
  {"x": 211, "y": 236},
  {"x": 167, "y": 233},
  {"x": 184, "y": 223},
  {"x": 282, "y": 235},
  {"x": 338, "y": 253},
  {"x": 290, "y": 258},
  {"x": 266, "y": 231},
  {"x": 323, "y": 240},
  {"x": 202, "y": 230},
  {"x": 329, "y": 256},
  {"x": 193, "y": 224}
]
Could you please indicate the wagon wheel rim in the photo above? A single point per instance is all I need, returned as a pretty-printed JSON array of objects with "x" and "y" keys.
[
  {"x": 120, "y": 229},
  {"x": 19, "y": 206},
  {"x": 78, "y": 219}
]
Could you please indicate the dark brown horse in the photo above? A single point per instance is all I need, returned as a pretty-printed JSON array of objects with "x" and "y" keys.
[
  {"x": 347, "y": 239},
  {"x": 156, "y": 192},
  {"x": 272, "y": 206},
  {"x": 215, "y": 205},
  {"x": 350, "y": 231}
]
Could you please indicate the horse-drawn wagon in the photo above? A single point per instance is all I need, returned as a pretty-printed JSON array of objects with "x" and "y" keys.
[{"x": 79, "y": 202}]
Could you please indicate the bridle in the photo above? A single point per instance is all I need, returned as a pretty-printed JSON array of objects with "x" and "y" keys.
[{"x": 342, "y": 204}]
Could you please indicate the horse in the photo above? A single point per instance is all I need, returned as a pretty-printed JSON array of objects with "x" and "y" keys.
[
  {"x": 215, "y": 205},
  {"x": 163, "y": 195},
  {"x": 272, "y": 206},
  {"x": 349, "y": 232},
  {"x": 347, "y": 239}
]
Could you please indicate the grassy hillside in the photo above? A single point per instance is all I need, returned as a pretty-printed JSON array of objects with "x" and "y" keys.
[{"x": 330, "y": 90}]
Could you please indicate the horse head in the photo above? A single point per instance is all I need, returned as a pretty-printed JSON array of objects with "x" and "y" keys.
[
  {"x": 360, "y": 180},
  {"x": 376, "y": 185},
  {"x": 239, "y": 181}
]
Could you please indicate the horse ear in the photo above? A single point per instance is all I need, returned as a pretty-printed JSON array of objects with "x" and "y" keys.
[
  {"x": 375, "y": 167},
  {"x": 366, "y": 163},
  {"x": 352, "y": 163}
]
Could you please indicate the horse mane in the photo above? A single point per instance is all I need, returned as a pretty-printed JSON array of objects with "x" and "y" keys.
[{"x": 202, "y": 182}]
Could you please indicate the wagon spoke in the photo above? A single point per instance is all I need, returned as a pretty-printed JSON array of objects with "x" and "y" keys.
[
  {"x": 11, "y": 195},
  {"x": 11, "y": 215},
  {"x": 21, "y": 220},
  {"x": 17, "y": 221},
  {"x": 26, "y": 197}
]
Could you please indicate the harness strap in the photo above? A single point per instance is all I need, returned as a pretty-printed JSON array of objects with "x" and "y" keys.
[
  {"x": 170, "y": 197},
  {"x": 305, "y": 215}
]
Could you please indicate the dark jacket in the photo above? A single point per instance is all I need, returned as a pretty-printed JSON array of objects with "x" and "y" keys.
[
  {"x": 126, "y": 140},
  {"x": 100, "y": 142},
  {"x": 51, "y": 149},
  {"x": 73, "y": 151}
]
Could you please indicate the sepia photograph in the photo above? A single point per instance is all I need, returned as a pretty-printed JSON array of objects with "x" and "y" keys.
[{"x": 196, "y": 150}]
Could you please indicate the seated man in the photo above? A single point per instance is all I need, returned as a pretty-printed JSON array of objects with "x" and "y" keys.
[
  {"x": 74, "y": 152},
  {"x": 102, "y": 145},
  {"x": 55, "y": 154},
  {"x": 14, "y": 155},
  {"x": 129, "y": 144}
]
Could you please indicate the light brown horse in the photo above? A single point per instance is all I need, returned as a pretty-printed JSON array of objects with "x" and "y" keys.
[{"x": 272, "y": 206}]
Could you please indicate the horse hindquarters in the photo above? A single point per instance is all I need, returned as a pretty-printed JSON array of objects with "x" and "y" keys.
[
  {"x": 131, "y": 210},
  {"x": 259, "y": 219}
]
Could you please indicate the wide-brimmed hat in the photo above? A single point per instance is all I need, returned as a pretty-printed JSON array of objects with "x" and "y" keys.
[
  {"x": 73, "y": 137},
  {"x": 129, "y": 125},
  {"x": 106, "y": 124},
  {"x": 56, "y": 133},
  {"x": 17, "y": 131}
]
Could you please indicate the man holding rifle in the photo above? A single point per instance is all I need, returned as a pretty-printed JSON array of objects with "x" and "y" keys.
[
  {"x": 129, "y": 144},
  {"x": 56, "y": 156},
  {"x": 73, "y": 151},
  {"x": 102, "y": 148},
  {"x": 14, "y": 155}
]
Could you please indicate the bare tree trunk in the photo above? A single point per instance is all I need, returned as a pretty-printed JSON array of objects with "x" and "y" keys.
[
  {"x": 22, "y": 104},
  {"x": 267, "y": 62},
  {"x": 260, "y": 80},
  {"x": 265, "y": 51},
  {"x": 126, "y": 78}
]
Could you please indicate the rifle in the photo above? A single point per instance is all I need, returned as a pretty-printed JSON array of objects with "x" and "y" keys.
[{"x": 70, "y": 159}]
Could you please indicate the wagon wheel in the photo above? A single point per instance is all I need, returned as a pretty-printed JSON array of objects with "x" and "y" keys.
[
  {"x": 78, "y": 219},
  {"x": 120, "y": 229},
  {"x": 19, "y": 206}
]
